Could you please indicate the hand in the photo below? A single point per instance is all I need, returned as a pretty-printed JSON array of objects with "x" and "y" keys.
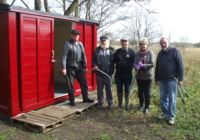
[
  {"x": 64, "y": 72},
  {"x": 140, "y": 64},
  {"x": 180, "y": 83},
  {"x": 96, "y": 67},
  {"x": 137, "y": 67}
]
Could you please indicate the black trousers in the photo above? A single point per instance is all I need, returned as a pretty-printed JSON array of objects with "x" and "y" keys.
[
  {"x": 144, "y": 92},
  {"x": 123, "y": 81},
  {"x": 78, "y": 74}
]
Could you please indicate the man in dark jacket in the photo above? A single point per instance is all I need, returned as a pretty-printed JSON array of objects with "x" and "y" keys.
[
  {"x": 74, "y": 65},
  {"x": 169, "y": 70},
  {"x": 103, "y": 60},
  {"x": 124, "y": 58}
]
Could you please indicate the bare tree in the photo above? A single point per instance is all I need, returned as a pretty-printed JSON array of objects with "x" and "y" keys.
[
  {"x": 46, "y": 6},
  {"x": 72, "y": 8},
  {"x": 3, "y": 1},
  {"x": 142, "y": 24},
  {"x": 38, "y": 5}
]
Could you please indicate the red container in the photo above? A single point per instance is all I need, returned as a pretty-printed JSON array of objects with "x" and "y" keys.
[{"x": 29, "y": 41}]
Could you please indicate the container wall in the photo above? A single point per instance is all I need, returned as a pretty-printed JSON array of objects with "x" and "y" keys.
[
  {"x": 4, "y": 61},
  {"x": 88, "y": 37}
]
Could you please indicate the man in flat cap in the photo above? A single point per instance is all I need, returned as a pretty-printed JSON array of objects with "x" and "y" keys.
[
  {"x": 124, "y": 62},
  {"x": 103, "y": 60},
  {"x": 74, "y": 65}
]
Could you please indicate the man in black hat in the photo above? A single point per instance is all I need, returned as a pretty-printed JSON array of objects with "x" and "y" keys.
[
  {"x": 103, "y": 60},
  {"x": 74, "y": 65},
  {"x": 124, "y": 60}
]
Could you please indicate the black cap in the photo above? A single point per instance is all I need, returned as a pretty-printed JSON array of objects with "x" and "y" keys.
[
  {"x": 75, "y": 32},
  {"x": 103, "y": 38}
]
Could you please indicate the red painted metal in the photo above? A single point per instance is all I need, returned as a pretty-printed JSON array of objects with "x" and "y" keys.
[
  {"x": 36, "y": 45},
  {"x": 4, "y": 60},
  {"x": 88, "y": 39}
]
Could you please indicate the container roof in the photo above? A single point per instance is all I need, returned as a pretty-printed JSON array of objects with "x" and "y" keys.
[{"x": 6, "y": 7}]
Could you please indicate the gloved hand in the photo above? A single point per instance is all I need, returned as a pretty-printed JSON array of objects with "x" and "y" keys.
[{"x": 139, "y": 65}]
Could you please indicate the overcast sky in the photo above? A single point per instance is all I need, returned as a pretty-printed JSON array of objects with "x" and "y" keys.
[{"x": 179, "y": 18}]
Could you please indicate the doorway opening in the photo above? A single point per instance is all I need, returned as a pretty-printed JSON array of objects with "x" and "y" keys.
[{"x": 62, "y": 34}]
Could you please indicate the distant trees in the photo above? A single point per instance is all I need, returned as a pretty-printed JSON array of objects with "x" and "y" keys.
[
  {"x": 102, "y": 11},
  {"x": 142, "y": 24}
]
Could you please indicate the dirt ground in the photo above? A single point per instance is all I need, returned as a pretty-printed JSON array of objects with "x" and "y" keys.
[{"x": 93, "y": 124}]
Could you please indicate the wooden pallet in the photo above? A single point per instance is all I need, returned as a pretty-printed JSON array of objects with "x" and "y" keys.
[{"x": 46, "y": 119}]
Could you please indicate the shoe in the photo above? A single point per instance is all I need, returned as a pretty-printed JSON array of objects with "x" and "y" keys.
[
  {"x": 171, "y": 121},
  {"x": 162, "y": 116},
  {"x": 141, "y": 108},
  {"x": 99, "y": 106},
  {"x": 88, "y": 100},
  {"x": 72, "y": 103},
  {"x": 126, "y": 107},
  {"x": 145, "y": 111},
  {"x": 110, "y": 106},
  {"x": 119, "y": 106}
]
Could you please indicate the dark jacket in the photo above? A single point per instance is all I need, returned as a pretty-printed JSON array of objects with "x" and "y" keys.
[
  {"x": 169, "y": 65},
  {"x": 148, "y": 59},
  {"x": 103, "y": 58},
  {"x": 73, "y": 55},
  {"x": 124, "y": 60}
]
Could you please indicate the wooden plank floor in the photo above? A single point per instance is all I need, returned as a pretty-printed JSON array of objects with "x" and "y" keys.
[{"x": 51, "y": 117}]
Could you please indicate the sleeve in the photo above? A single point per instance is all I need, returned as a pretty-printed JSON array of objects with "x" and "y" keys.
[
  {"x": 133, "y": 59},
  {"x": 156, "y": 69},
  {"x": 64, "y": 55},
  {"x": 112, "y": 60},
  {"x": 151, "y": 62},
  {"x": 83, "y": 55},
  {"x": 180, "y": 69},
  {"x": 95, "y": 58}
]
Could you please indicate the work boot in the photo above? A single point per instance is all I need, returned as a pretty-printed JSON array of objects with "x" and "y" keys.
[
  {"x": 88, "y": 100},
  {"x": 126, "y": 101},
  {"x": 99, "y": 106},
  {"x": 72, "y": 103},
  {"x": 71, "y": 99},
  {"x": 119, "y": 100},
  {"x": 110, "y": 106}
]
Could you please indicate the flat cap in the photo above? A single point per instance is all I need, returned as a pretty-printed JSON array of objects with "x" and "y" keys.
[
  {"x": 75, "y": 32},
  {"x": 124, "y": 39},
  {"x": 103, "y": 38}
]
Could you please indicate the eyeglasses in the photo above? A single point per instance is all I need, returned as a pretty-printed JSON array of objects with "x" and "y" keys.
[{"x": 141, "y": 44}]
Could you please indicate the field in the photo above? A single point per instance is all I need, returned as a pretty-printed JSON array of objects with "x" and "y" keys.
[{"x": 132, "y": 125}]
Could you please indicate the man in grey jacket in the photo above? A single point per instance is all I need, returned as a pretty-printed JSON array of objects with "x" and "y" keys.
[
  {"x": 74, "y": 65},
  {"x": 169, "y": 70}
]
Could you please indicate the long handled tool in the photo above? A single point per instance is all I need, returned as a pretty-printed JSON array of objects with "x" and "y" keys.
[
  {"x": 182, "y": 92},
  {"x": 103, "y": 76}
]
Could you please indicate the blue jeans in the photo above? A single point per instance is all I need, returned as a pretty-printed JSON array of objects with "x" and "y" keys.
[{"x": 168, "y": 95}]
